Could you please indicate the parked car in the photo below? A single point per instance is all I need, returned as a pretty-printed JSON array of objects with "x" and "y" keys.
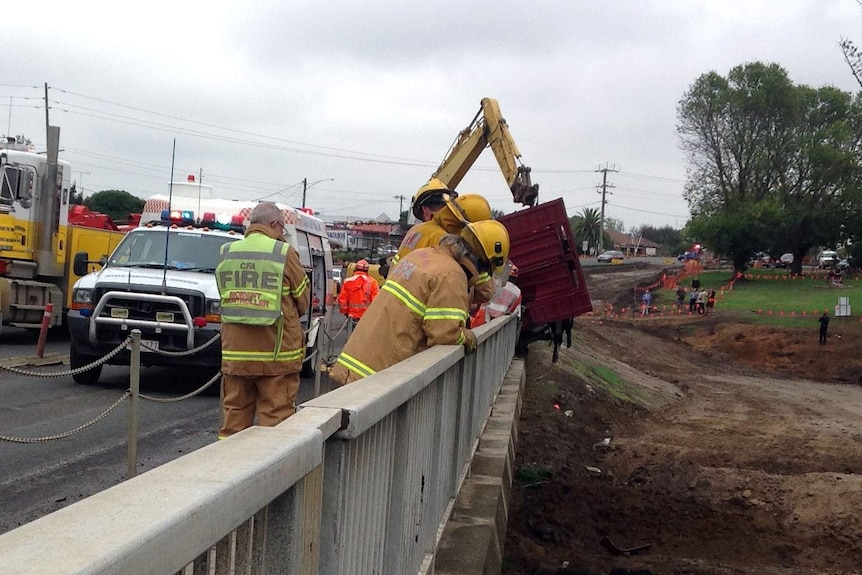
[
  {"x": 785, "y": 261},
  {"x": 336, "y": 275},
  {"x": 827, "y": 259},
  {"x": 687, "y": 256},
  {"x": 842, "y": 264},
  {"x": 761, "y": 259},
  {"x": 610, "y": 255}
]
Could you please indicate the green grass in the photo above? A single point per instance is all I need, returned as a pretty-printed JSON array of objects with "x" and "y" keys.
[
  {"x": 765, "y": 296},
  {"x": 608, "y": 380},
  {"x": 530, "y": 474}
]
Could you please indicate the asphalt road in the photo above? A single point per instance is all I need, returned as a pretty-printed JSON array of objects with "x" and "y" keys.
[{"x": 41, "y": 477}]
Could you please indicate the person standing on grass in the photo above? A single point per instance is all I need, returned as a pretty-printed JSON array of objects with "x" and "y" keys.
[
  {"x": 701, "y": 301},
  {"x": 710, "y": 301},
  {"x": 680, "y": 298},
  {"x": 824, "y": 325}
]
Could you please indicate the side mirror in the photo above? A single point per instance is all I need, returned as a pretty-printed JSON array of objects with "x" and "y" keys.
[{"x": 80, "y": 263}]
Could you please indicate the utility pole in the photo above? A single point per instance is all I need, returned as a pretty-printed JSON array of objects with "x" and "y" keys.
[
  {"x": 81, "y": 183},
  {"x": 400, "y": 206},
  {"x": 46, "y": 108},
  {"x": 306, "y": 186},
  {"x": 604, "y": 192}
]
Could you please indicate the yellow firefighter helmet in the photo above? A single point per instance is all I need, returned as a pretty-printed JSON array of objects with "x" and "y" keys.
[
  {"x": 470, "y": 208},
  {"x": 432, "y": 192},
  {"x": 489, "y": 240}
]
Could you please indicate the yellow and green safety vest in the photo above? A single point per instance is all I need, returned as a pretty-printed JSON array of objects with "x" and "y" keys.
[{"x": 250, "y": 279}]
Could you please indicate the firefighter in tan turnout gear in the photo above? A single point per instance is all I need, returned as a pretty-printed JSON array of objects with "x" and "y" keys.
[
  {"x": 264, "y": 291},
  {"x": 423, "y": 303},
  {"x": 451, "y": 219}
]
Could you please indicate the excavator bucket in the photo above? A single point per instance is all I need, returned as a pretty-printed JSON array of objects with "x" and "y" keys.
[{"x": 523, "y": 190}]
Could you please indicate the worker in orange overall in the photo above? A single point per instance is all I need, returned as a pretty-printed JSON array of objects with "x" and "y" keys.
[
  {"x": 357, "y": 293},
  {"x": 423, "y": 303}
]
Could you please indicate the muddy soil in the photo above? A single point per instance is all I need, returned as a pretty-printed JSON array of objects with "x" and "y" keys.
[{"x": 705, "y": 445}]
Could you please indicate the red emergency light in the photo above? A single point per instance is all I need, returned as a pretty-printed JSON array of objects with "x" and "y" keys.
[{"x": 191, "y": 178}]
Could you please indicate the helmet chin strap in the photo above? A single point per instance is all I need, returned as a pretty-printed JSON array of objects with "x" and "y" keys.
[{"x": 470, "y": 267}]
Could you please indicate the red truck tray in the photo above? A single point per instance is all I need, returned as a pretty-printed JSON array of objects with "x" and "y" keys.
[{"x": 549, "y": 272}]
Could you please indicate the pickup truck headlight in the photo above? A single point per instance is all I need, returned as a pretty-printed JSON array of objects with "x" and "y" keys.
[
  {"x": 82, "y": 296},
  {"x": 213, "y": 310}
]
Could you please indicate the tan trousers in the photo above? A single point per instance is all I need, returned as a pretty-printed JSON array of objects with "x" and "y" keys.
[{"x": 272, "y": 397}]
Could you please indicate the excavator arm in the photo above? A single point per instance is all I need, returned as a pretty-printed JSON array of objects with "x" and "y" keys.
[{"x": 488, "y": 129}]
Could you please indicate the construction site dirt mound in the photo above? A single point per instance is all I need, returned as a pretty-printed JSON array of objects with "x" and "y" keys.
[{"x": 702, "y": 445}]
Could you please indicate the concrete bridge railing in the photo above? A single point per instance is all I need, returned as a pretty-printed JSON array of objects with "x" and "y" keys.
[{"x": 361, "y": 480}]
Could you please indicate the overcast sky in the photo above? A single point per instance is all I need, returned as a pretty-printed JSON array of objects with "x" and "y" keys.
[{"x": 365, "y": 98}]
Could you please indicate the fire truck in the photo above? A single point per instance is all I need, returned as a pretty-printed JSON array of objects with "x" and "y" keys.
[
  {"x": 39, "y": 233},
  {"x": 161, "y": 280}
]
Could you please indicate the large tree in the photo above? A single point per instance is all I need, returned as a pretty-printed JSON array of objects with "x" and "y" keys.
[
  {"x": 669, "y": 238},
  {"x": 772, "y": 165},
  {"x": 117, "y": 204}
]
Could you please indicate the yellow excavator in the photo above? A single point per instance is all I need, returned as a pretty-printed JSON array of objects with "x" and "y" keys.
[{"x": 488, "y": 130}]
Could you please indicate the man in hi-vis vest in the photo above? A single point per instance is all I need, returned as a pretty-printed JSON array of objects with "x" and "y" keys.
[{"x": 264, "y": 291}]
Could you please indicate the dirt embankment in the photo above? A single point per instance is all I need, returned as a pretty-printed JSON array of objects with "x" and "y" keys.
[{"x": 725, "y": 447}]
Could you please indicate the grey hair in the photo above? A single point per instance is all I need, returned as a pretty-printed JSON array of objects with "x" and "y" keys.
[
  {"x": 266, "y": 213},
  {"x": 459, "y": 246}
]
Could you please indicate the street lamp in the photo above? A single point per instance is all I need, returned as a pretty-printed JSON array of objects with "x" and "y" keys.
[{"x": 306, "y": 185}]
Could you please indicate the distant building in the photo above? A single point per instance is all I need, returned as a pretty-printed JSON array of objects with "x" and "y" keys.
[
  {"x": 632, "y": 245},
  {"x": 376, "y": 237}
]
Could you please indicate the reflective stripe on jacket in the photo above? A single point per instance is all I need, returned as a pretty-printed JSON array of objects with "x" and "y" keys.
[
  {"x": 249, "y": 278},
  {"x": 357, "y": 293},
  {"x": 427, "y": 234},
  {"x": 423, "y": 303},
  {"x": 277, "y": 348}
]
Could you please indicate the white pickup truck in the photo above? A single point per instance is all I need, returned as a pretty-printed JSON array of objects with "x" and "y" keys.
[{"x": 161, "y": 280}]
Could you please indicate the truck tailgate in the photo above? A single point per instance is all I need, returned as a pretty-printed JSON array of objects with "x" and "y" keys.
[{"x": 549, "y": 272}]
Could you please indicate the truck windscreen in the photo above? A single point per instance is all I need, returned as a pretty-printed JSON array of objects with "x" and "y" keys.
[{"x": 187, "y": 250}]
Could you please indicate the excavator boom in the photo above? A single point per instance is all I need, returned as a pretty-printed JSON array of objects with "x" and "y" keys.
[{"x": 488, "y": 130}]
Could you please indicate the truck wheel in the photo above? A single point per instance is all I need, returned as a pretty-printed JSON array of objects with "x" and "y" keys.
[{"x": 76, "y": 360}]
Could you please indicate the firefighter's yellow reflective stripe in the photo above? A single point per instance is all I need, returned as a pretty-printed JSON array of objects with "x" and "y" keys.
[
  {"x": 300, "y": 288},
  {"x": 483, "y": 277},
  {"x": 461, "y": 338},
  {"x": 354, "y": 365},
  {"x": 455, "y": 313},
  {"x": 395, "y": 259},
  {"x": 289, "y": 355},
  {"x": 411, "y": 301}
]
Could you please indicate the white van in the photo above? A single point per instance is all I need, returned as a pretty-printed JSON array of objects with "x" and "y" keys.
[{"x": 827, "y": 259}]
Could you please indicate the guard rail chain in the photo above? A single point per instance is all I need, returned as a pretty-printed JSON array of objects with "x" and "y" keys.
[
  {"x": 71, "y": 432},
  {"x": 199, "y": 390},
  {"x": 68, "y": 372}
]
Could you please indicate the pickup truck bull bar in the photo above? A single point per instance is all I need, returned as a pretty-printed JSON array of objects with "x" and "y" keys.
[{"x": 97, "y": 318}]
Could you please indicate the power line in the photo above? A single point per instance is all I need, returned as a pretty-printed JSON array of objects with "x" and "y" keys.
[
  {"x": 660, "y": 178},
  {"x": 223, "y": 128}
]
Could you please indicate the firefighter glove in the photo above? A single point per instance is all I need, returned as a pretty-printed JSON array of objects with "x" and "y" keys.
[{"x": 470, "y": 343}]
